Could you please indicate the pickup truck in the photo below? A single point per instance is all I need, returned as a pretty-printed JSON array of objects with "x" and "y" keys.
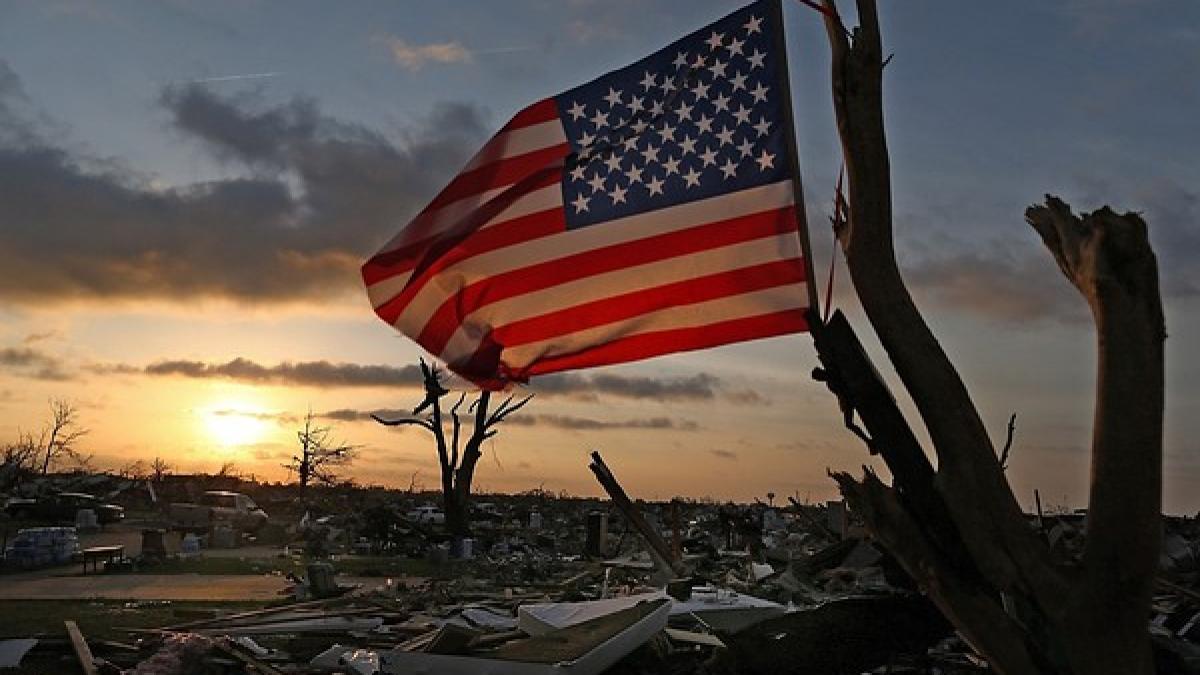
[
  {"x": 230, "y": 507},
  {"x": 62, "y": 507}
]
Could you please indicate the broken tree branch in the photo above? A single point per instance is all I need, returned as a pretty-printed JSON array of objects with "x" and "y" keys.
[{"x": 1012, "y": 426}]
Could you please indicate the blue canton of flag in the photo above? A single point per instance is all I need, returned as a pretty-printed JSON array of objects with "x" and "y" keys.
[{"x": 699, "y": 118}]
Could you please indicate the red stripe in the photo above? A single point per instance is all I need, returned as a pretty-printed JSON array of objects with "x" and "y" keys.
[
  {"x": 447, "y": 318},
  {"x": 497, "y": 174},
  {"x": 532, "y": 226},
  {"x": 645, "y": 301},
  {"x": 494, "y": 375},
  {"x": 542, "y": 111},
  {"x": 403, "y": 259}
]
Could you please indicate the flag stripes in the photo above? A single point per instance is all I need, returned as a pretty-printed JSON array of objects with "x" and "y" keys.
[{"x": 603, "y": 226}]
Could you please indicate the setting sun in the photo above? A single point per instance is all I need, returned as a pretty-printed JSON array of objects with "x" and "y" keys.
[{"x": 234, "y": 424}]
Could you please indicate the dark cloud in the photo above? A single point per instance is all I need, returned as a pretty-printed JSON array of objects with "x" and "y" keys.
[
  {"x": 571, "y": 423},
  {"x": 699, "y": 387},
  {"x": 351, "y": 415},
  {"x": 1011, "y": 289},
  {"x": 724, "y": 454},
  {"x": 32, "y": 363},
  {"x": 1017, "y": 281},
  {"x": 303, "y": 373},
  {"x": 316, "y": 194}
]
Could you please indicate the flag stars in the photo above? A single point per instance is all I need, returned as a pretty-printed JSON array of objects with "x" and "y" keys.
[
  {"x": 742, "y": 115},
  {"x": 650, "y": 81},
  {"x": 754, "y": 25},
  {"x": 762, "y": 127},
  {"x": 765, "y": 161},
  {"x": 738, "y": 81},
  {"x": 630, "y": 143},
  {"x": 637, "y": 104},
  {"x": 577, "y": 111},
  {"x": 698, "y": 62},
  {"x": 729, "y": 169},
  {"x": 756, "y": 59},
  {"x": 580, "y": 203},
  {"x": 688, "y": 145},
  {"x": 704, "y": 124},
  {"x": 735, "y": 47},
  {"x": 671, "y": 165},
  {"x": 684, "y": 111},
  {"x": 725, "y": 136},
  {"x": 633, "y": 175},
  {"x": 650, "y": 154},
  {"x": 681, "y": 60},
  {"x": 759, "y": 93},
  {"x": 655, "y": 186},
  {"x": 715, "y": 40},
  {"x": 667, "y": 132},
  {"x": 586, "y": 139},
  {"x": 709, "y": 157},
  {"x": 746, "y": 148},
  {"x": 718, "y": 68},
  {"x": 599, "y": 119},
  {"x": 691, "y": 178},
  {"x": 618, "y": 194},
  {"x": 656, "y": 108},
  {"x": 613, "y": 162},
  {"x": 613, "y": 97},
  {"x": 578, "y": 172},
  {"x": 639, "y": 126},
  {"x": 700, "y": 90},
  {"x": 597, "y": 182},
  {"x": 721, "y": 103}
]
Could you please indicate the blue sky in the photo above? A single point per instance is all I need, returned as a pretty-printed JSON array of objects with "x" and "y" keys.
[{"x": 988, "y": 107}]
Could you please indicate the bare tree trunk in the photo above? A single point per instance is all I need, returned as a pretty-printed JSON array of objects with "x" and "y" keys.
[{"x": 1019, "y": 610}]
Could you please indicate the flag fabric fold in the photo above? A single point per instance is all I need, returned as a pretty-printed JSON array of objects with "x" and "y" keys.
[{"x": 652, "y": 210}]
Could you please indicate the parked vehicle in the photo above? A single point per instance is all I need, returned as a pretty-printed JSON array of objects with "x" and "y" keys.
[
  {"x": 217, "y": 505},
  {"x": 429, "y": 515},
  {"x": 62, "y": 507}
]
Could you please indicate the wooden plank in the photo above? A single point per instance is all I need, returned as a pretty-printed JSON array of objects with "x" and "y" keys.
[
  {"x": 633, "y": 514},
  {"x": 82, "y": 651}
]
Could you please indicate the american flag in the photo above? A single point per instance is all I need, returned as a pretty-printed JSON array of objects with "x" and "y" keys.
[{"x": 652, "y": 210}]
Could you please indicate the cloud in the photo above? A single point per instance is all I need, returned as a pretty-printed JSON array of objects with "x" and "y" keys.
[
  {"x": 571, "y": 423},
  {"x": 724, "y": 454},
  {"x": 351, "y": 415},
  {"x": 1010, "y": 289},
  {"x": 302, "y": 373},
  {"x": 314, "y": 195},
  {"x": 699, "y": 387},
  {"x": 32, "y": 363},
  {"x": 414, "y": 57}
]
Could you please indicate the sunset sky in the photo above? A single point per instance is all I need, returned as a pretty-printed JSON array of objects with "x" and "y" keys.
[{"x": 187, "y": 190}]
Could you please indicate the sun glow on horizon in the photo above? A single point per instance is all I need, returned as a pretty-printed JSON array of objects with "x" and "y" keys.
[{"x": 234, "y": 423}]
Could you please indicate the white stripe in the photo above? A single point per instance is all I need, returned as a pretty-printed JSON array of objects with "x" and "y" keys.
[
  {"x": 542, "y": 199},
  {"x": 448, "y": 282},
  {"x": 518, "y": 142},
  {"x": 777, "y": 299},
  {"x": 617, "y": 282}
]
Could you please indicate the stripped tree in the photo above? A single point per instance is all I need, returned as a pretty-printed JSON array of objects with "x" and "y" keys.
[
  {"x": 61, "y": 434},
  {"x": 457, "y": 467},
  {"x": 319, "y": 457},
  {"x": 959, "y": 531}
]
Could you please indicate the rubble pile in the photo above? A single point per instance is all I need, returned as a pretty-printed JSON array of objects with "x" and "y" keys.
[{"x": 550, "y": 584}]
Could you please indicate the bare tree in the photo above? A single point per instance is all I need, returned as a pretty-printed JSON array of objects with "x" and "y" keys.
[
  {"x": 959, "y": 531},
  {"x": 458, "y": 468},
  {"x": 319, "y": 457},
  {"x": 61, "y": 435},
  {"x": 160, "y": 468},
  {"x": 135, "y": 470},
  {"x": 19, "y": 459}
]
